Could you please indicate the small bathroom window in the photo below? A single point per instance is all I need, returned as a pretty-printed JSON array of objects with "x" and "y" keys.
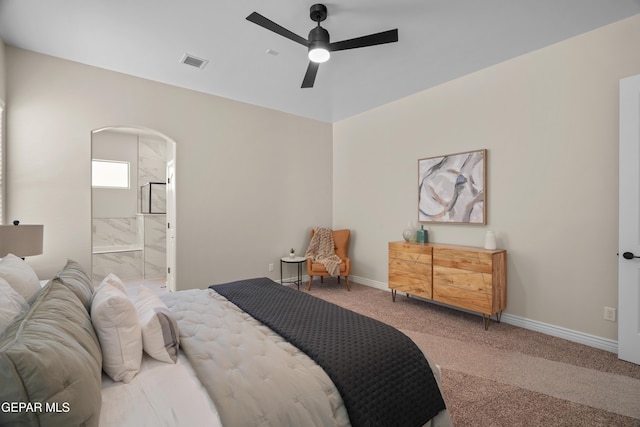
[{"x": 109, "y": 174}]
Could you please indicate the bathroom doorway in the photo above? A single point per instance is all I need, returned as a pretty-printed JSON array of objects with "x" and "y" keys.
[{"x": 133, "y": 205}]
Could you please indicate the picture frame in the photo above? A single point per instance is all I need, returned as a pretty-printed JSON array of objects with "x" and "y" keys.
[{"x": 452, "y": 188}]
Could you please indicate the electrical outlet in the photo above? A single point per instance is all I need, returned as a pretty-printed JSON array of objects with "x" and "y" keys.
[
  {"x": 610, "y": 314},
  {"x": 270, "y": 267}
]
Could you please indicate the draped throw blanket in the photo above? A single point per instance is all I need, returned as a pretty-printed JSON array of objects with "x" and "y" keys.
[{"x": 322, "y": 250}]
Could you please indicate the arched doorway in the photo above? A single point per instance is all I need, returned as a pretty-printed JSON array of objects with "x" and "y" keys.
[{"x": 133, "y": 205}]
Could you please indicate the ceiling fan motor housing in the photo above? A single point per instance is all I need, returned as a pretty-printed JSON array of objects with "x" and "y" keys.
[
  {"x": 318, "y": 12},
  {"x": 318, "y": 35}
]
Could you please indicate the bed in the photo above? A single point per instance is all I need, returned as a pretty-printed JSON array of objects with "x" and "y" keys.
[{"x": 228, "y": 359}]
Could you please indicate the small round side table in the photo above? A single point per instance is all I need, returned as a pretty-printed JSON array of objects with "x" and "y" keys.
[{"x": 299, "y": 260}]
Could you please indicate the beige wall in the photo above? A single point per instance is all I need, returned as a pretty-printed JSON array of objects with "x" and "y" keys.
[
  {"x": 247, "y": 189},
  {"x": 549, "y": 120},
  {"x": 2, "y": 71}
]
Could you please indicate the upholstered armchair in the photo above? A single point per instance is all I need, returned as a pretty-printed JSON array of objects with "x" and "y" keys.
[{"x": 341, "y": 242}]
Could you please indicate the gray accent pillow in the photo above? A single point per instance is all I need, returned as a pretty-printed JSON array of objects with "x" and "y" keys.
[
  {"x": 50, "y": 358},
  {"x": 76, "y": 278},
  {"x": 160, "y": 334}
]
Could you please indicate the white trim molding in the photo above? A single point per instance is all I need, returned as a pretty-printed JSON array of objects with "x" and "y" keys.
[
  {"x": 560, "y": 332},
  {"x": 522, "y": 322}
]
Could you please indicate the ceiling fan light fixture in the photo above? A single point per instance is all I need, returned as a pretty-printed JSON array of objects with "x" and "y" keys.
[
  {"x": 319, "y": 45},
  {"x": 319, "y": 53}
]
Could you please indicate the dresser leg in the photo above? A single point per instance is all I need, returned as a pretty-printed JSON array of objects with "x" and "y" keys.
[
  {"x": 487, "y": 319},
  {"x": 393, "y": 295}
]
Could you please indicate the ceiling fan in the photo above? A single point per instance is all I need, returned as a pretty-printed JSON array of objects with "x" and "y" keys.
[{"x": 318, "y": 41}]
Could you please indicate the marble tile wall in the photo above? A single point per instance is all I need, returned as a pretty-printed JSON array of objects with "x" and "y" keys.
[
  {"x": 116, "y": 233},
  {"x": 155, "y": 245},
  {"x": 132, "y": 248},
  {"x": 135, "y": 248},
  {"x": 126, "y": 265},
  {"x": 117, "y": 248},
  {"x": 152, "y": 167},
  {"x": 152, "y": 160}
]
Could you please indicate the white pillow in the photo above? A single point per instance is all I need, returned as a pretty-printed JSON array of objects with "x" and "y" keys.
[
  {"x": 11, "y": 304},
  {"x": 20, "y": 276},
  {"x": 160, "y": 335},
  {"x": 116, "y": 323},
  {"x": 115, "y": 281}
]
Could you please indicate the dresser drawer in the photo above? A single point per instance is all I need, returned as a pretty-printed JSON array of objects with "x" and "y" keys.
[{"x": 410, "y": 269}]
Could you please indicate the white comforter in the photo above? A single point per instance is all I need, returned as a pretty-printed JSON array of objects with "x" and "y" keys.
[
  {"x": 160, "y": 395},
  {"x": 254, "y": 377}
]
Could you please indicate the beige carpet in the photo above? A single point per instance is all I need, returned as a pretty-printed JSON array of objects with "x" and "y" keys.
[{"x": 505, "y": 376}]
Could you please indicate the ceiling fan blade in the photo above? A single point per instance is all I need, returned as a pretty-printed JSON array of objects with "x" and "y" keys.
[
  {"x": 256, "y": 18},
  {"x": 389, "y": 36},
  {"x": 310, "y": 75}
]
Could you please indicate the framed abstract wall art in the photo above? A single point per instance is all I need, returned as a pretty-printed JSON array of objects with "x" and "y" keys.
[{"x": 452, "y": 188}]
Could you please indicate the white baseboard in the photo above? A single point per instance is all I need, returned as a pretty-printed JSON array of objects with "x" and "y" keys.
[
  {"x": 532, "y": 325},
  {"x": 560, "y": 332},
  {"x": 371, "y": 283}
]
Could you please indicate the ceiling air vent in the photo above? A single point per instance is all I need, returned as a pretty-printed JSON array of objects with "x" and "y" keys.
[{"x": 194, "y": 61}]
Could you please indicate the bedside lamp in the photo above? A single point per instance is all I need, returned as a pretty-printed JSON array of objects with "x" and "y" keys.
[{"x": 21, "y": 240}]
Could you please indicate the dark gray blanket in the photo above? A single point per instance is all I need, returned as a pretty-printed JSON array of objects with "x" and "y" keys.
[{"x": 382, "y": 375}]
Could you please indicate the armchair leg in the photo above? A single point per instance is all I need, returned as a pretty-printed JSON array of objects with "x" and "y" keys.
[
  {"x": 310, "y": 282},
  {"x": 338, "y": 279},
  {"x": 346, "y": 280},
  {"x": 321, "y": 279}
]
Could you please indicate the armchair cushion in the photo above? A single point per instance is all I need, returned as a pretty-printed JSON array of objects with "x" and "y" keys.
[
  {"x": 322, "y": 250},
  {"x": 319, "y": 269}
]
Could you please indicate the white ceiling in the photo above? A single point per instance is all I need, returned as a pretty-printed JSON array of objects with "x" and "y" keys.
[{"x": 439, "y": 40}]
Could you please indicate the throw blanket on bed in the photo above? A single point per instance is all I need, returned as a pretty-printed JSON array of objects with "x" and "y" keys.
[
  {"x": 322, "y": 250},
  {"x": 252, "y": 374},
  {"x": 382, "y": 375}
]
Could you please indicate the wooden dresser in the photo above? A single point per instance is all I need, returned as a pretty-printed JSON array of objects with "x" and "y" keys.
[{"x": 466, "y": 277}]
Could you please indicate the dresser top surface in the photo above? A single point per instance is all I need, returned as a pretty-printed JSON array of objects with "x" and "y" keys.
[{"x": 449, "y": 246}]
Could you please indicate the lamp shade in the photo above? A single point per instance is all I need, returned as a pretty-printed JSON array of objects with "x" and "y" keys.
[{"x": 21, "y": 240}]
